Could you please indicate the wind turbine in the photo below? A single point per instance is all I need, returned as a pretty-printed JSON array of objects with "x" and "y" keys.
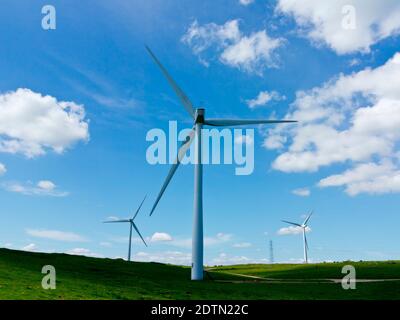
[
  {"x": 303, "y": 226},
  {"x": 199, "y": 120},
  {"x": 132, "y": 225}
]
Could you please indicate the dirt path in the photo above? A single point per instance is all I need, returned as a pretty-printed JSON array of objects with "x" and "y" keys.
[{"x": 275, "y": 280}]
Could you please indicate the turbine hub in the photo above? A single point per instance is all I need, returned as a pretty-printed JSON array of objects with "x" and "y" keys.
[{"x": 199, "y": 115}]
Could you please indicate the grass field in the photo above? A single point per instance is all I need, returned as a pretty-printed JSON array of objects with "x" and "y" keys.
[{"x": 90, "y": 278}]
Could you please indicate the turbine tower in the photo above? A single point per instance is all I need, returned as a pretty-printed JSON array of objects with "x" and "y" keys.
[
  {"x": 271, "y": 252},
  {"x": 303, "y": 226},
  {"x": 199, "y": 120},
  {"x": 132, "y": 225}
]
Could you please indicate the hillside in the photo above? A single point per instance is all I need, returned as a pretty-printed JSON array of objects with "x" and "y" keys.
[{"x": 81, "y": 277}]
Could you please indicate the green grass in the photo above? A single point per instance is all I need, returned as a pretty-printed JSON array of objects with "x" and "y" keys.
[
  {"x": 90, "y": 278},
  {"x": 364, "y": 270}
]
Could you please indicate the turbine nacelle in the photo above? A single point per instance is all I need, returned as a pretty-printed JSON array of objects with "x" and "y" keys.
[{"x": 199, "y": 115}]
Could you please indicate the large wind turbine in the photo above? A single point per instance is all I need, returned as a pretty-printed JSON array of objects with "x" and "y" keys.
[
  {"x": 303, "y": 226},
  {"x": 199, "y": 120},
  {"x": 132, "y": 225}
]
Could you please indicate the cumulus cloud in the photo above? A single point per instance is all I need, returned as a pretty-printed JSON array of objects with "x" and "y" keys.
[
  {"x": 160, "y": 236},
  {"x": 55, "y": 235},
  {"x": 369, "y": 178},
  {"x": 352, "y": 119},
  {"x": 292, "y": 230},
  {"x": 3, "y": 169},
  {"x": 250, "y": 53},
  {"x": 42, "y": 188},
  {"x": 345, "y": 26},
  {"x": 32, "y": 123},
  {"x": 263, "y": 98},
  {"x": 302, "y": 192}
]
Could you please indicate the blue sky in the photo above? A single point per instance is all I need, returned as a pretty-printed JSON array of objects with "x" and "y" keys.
[{"x": 63, "y": 172}]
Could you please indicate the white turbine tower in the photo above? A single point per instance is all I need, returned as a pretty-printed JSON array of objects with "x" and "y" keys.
[
  {"x": 132, "y": 225},
  {"x": 303, "y": 226},
  {"x": 199, "y": 120}
]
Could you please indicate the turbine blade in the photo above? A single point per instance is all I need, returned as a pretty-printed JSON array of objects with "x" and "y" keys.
[
  {"x": 181, "y": 95},
  {"x": 182, "y": 150},
  {"x": 138, "y": 209},
  {"x": 293, "y": 223},
  {"x": 308, "y": 218},
  {"x": 116, "y": 221},
  {"x": 137, "y": 230},
  {"x": 241, "y": 122}
]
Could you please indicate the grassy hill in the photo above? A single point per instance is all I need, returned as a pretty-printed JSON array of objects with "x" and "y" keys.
[
  {"x": 364, "y": 270},
  {"x": 90, "y": 278}
]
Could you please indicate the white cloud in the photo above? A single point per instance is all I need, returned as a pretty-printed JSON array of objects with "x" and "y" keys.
[
  {"x": 42, "y": 188},
  {"x": 292, "y": 230},
  {"x": 7, "y": 245},
  {"x": 106, "y": 244},
  {"x": 30, "y": 247},
  {"x": 352, "y": 119},
  {"x": 354, "y": 62},
  {"x": 160, "y": 236},
  {"x": 245, "y": 2},
  {"x": 200, "y": 38},
  {"x": 56, "y": 235},
  {"x": 84, "y": 252},
  {"x": 244, "y": 139},
  {"x": 226, "y": 259},
  {"x": 302, "y": 192},
  {"x": 366, "y": 178},
  {"x": 46, "y": 185},
  {"x": 250, "y": 53},
  {"x": 322, "y": 22},
  {"x": 263, "y": 98},
  {"x": 113, "y": 218},
  {"x": 172, "y": 257},
  {"x": 180, "y": 242},
  {"x": 31, "y": 124},
  {"x": 3, "y": 169},
  {"x": 242, "y": 245},
  {"x": 219, "y": 238}
]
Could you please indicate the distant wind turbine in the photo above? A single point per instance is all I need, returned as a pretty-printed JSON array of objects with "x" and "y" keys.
[
  {"x": 132, "y": 225},
  {"x": 303, "y": 226},
  {"x": 199, "y": 120}
]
